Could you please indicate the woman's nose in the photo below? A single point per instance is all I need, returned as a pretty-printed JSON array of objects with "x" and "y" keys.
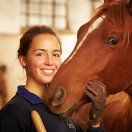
[{"x": 48, "y": 60}]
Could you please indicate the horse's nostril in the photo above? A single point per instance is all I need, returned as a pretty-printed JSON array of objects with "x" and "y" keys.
[
  {"x": 59, "y": 94},
  {"x": 58, "y": 97}
]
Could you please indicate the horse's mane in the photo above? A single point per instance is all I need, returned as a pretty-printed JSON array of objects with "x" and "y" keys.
[{"x": 117, "y": 10}]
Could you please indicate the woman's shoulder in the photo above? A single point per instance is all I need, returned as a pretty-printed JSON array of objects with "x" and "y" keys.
[
  {"x": 15, "y": 114},
  {"x": 17, "y": 107}
]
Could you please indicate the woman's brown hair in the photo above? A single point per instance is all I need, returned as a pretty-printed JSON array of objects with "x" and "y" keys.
[{"x": 26, "y": 39}]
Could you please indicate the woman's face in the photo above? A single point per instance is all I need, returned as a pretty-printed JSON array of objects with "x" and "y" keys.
[{"x": 43, "y": 59}]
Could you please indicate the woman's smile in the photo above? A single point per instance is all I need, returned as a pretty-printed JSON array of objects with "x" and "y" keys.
[{"x": 48, "y": 72}]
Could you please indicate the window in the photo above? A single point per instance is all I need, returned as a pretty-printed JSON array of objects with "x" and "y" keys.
[{"x": 48, "y": 12}]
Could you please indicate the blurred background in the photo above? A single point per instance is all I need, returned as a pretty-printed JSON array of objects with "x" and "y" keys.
[{"x": 65, "y": 16}]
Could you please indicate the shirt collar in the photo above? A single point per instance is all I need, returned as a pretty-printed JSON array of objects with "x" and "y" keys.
[{"x": 32, "y": 98}]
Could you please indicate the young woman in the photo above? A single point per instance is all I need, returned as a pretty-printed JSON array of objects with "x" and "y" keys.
[{"x": 40, "y": 55}]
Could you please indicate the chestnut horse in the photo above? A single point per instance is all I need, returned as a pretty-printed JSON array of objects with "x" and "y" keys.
[{"x": 103, "y": 52}]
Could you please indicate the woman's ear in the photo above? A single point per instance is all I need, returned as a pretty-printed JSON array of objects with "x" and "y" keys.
[{"x": 22, "y": 60}]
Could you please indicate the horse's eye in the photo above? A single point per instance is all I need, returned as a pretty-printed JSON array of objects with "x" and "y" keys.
[{"x": 112, "y": 41}]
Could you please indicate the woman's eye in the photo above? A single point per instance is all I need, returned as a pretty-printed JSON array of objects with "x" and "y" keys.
[
  {"x": 112, "y": 41},
  {"x": 56, "y": 55},
  {"x": 40, "y": 54}
]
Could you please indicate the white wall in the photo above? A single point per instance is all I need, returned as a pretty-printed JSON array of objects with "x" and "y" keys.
[
  {"x": 9, "y": 16},
  {"x": 79, "y": 12}
]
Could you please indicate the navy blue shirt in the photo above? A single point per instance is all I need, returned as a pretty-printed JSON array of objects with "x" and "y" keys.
[{"x": 15, "y": 116}]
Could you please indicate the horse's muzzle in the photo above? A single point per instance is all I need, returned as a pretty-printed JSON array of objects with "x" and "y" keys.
[{"x": 59, "y": 96}]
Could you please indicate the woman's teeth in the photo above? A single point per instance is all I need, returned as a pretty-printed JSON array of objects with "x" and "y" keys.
[{"x": 48, "y": 71}]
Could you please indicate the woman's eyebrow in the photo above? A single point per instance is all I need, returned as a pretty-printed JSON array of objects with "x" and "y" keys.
[
  {"x": 55, "y": 50},
  {"x": 39, "y": 49}
]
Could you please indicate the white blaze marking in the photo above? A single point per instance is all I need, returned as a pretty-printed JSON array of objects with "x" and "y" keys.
[{"x": 92, "y": 28}]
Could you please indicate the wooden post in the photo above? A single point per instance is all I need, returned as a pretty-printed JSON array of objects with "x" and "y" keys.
[{"x": 37, "y": 121}]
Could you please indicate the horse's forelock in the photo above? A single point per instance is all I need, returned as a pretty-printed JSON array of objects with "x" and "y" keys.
[{"x": 109, "y": 8}]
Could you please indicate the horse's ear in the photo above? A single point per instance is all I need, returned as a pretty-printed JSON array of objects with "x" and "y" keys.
[{"x": 129, "y": 6}]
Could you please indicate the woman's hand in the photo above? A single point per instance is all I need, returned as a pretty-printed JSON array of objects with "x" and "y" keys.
[{"x": 96, "y": 91}]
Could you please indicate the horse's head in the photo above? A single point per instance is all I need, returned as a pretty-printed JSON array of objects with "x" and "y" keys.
[{"x": 103, "y": 52}]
